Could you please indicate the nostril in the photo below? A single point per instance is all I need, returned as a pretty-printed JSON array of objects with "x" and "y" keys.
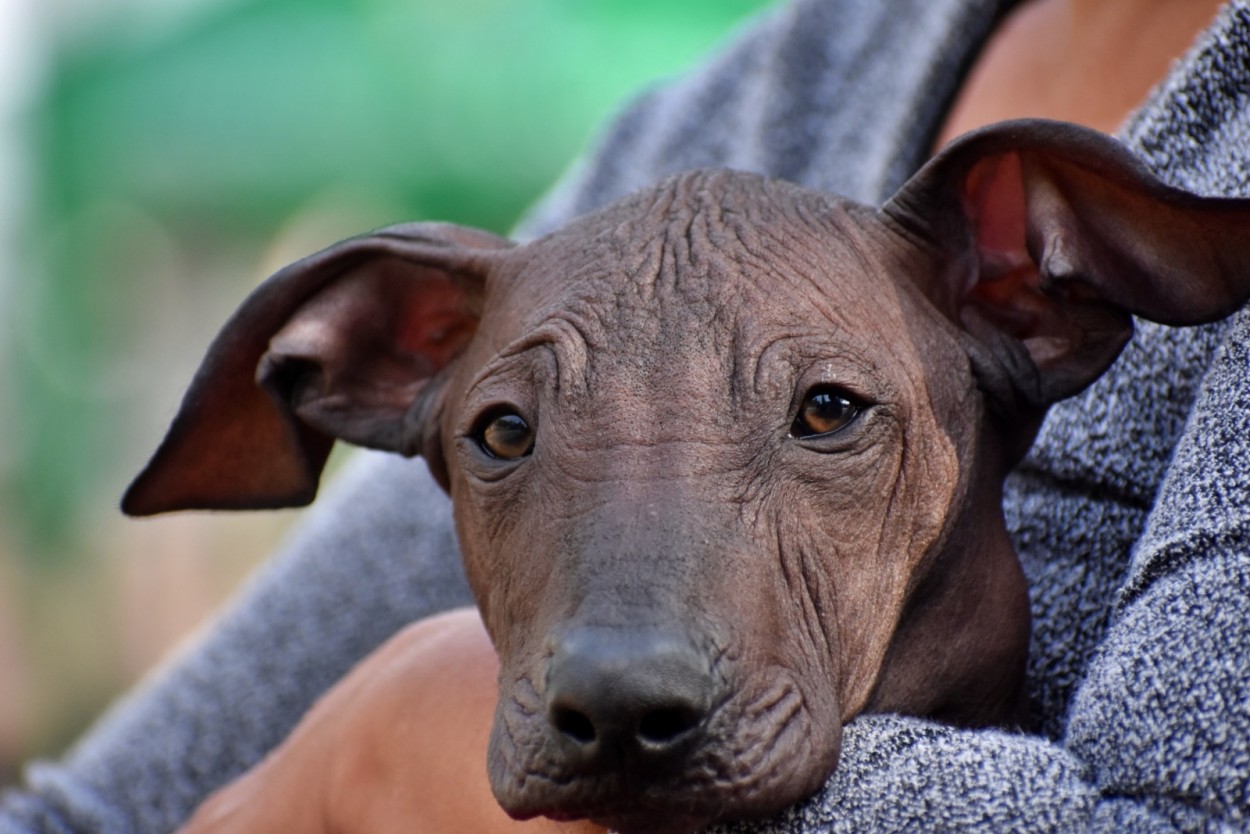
[
  {"x": 664, "y": 726},
  {"x": 573, "y": 724},
  {"x": 644, "y": 695}
]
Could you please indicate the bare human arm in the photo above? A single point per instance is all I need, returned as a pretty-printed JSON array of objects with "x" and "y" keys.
[{"x": 398, "y": 745}]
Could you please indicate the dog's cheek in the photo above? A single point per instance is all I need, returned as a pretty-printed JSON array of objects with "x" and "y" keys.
[
  {"x": 494, "y": 526},
  {"x": 835, "y": 585},
  {"x": 783, "y": 740},
  {"x": 507, "y": 764},
  {"x": 777, "y": 739}
]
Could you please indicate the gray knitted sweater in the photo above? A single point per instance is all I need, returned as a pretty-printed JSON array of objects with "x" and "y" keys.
[{"x": 1131, "y": 514}]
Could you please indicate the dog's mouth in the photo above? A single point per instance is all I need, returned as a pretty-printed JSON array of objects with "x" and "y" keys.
[
  {"x": 669, "y": 823},
  {"x": 659, "y": 809}
]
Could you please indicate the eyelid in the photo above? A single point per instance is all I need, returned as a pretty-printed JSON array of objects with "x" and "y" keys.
[{"x": 849, "y": 390}]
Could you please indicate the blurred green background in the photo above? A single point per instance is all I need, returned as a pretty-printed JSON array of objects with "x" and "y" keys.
[{"x": 158, "y": 160}]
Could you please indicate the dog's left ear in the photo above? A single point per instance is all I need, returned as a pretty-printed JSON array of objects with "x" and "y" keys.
[
  {"x": 1052, "y": 237},
  {"x": 350, "y": 343}
]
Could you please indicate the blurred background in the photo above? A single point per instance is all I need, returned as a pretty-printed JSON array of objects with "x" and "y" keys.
[{"x": 157, "y": 159}]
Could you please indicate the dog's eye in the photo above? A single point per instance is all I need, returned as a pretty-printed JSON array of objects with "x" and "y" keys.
[
  {"x": 506, "y": 435},
  {"x": 824, "y": 410}
]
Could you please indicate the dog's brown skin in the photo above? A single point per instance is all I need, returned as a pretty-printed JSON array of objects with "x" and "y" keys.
[{"x": 726, "y": 456}]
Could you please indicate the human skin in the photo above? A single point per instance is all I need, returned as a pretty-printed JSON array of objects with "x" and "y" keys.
[
  {"x": 1084, "y": 61},
  {"x": 1091, "y": 62},
  {"x": 415, "y": 715}
]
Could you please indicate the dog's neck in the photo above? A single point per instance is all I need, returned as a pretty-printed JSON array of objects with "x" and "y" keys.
[{"x": 959, "y": 650}]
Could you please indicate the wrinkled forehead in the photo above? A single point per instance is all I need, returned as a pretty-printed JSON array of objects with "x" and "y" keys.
[{"x": 714, "y": 258}]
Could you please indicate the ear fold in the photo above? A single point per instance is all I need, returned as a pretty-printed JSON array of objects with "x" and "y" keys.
[
  {"x": 1056, "y": 235},
  {"x": 346, "y": 343}
]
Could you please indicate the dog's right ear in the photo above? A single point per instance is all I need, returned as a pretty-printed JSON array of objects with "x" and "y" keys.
[
  {"x": 349, "y": 343},
  {"x": 1053, "y": 236}
]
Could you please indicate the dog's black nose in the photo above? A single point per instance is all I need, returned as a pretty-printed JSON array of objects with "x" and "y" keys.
[{"x": 617, "y": 697}]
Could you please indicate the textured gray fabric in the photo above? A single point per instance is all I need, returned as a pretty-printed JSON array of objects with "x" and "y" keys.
[
  {"x": 1131, "y": 514},
  {"x": 841, "y": 95}
]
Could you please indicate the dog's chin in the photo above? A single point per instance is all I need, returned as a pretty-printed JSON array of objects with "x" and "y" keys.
[
  {"x": 631, "y": 820},
  {"x": 670, "y": 806},
  {"x": 652, "y": 824},
  {"x": 624, "y": 815}
]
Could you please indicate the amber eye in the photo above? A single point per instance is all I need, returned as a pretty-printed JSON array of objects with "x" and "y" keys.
[
  {"x": 825, "y": 409},
  {"x": 506, "y": 435}
]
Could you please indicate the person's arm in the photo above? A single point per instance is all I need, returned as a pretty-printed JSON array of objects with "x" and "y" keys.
[
  {"x": 398, "y": 745},
  {"x": 1172, "y": 680},
  {"x": 379, "y": 554}
]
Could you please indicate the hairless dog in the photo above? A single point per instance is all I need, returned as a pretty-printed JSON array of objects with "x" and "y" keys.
[{"x": 726, "y": 456}]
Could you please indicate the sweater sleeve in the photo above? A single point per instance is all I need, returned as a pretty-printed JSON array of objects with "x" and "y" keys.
[{"x": 1164, "y": 712}]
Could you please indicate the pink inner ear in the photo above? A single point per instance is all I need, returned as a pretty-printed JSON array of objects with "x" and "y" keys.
[
  {"x": 435, "y": 323},
  {"x": 994, "y": 202},
  {"x": 1005, "y": 290}
]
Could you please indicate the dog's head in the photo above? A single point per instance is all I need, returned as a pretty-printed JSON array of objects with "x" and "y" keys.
[{"x": 726, "y": 456}]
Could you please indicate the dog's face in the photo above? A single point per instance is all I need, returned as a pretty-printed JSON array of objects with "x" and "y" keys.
[
  {"x": 696, "y": 461},
  {"x": 726, "y": 456}
]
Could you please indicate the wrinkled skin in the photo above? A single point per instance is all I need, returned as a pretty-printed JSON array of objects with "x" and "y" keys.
[{"x": 726, "y": 456}]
